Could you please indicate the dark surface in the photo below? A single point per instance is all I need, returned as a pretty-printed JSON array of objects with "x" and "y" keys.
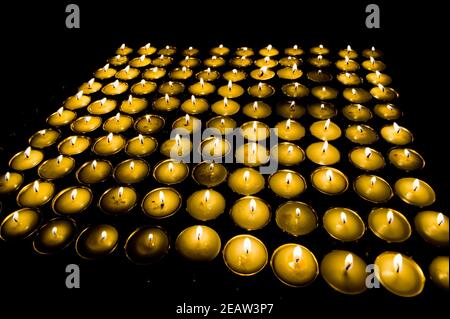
[{"x": 43, "y": 63}]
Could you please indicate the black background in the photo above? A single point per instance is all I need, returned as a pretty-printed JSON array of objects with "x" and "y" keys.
[{"x": 43, "y": 62}]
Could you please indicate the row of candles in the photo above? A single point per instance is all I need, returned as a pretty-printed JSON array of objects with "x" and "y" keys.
[{"x": 293, "y": 264}]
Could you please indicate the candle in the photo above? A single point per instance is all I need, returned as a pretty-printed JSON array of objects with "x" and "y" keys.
[
  {"x": 74, "y": 145},
  {"x": 344, "y": 272},
  {"x": 161, "y": 202},
  {"x": 127, "y": 73},
  {"x": 246, "y": 181},
  {"x": 108, "y": 145},
  {"x": 214, "y": 62},
  {"x": 356, "y": 95},
  {"x": 389, "y": 225},
  {"x": 250, "y": 213},
  {"x": 343, "y": 224},
  {"x": 189, "y": 124},
  {"x": 383, "y": 93},
  {"x": 61, "y": 117},
  {"x": 167, "y": 50},
  {"x": 245, "y": 255},
  {"x": 325, "y": 130},
  {"x": 289, "y": 61},
  {"x": 154, "y": 73},
  {"x": 319, "y": 76},
  {"x": 377, "y": 77},
  {"x": 115, "y": 88},
  {"x": 320, "y": 49},
  {"x": 10, "y": 182},
  {"x": 170, "y": 172},
  {"x": 396, "y": 134},
  {"x": 294, "y": 50},
  {"x": 231, "y": 90},
  {"x": 329, "y": 180},
  {"x": 257, "y": 110},
  {"x": 261, "y": 90},
  {"x": 118, "y": 60},
  {"x": 269, "y": 51},
  {"x": 140, "y": 62},
  {"x": 322, "y": 111},
  {"x": 347, "y": 64},
  {"x": 72, "y": 200},
  {"x": 254, "y": 131},
  {"x": 195, "y": 105},
  {"x": 166, "y": 103},
  {"x": 357, "y": 112},
  {"x": 366, "y": 158},
  {"x": 235, "y": 75},
  {"x": 439, "y": 271},
  {"x": 324, "y": 92},
  {"x": 323, "y": 153},
  {"x": 202, "y": 88},
  {"x": 350, "y": 79},
  {"x": 208, "y": 75},
  {"x": 102, "y": 106},
  {"x": 252, "y": 154},
  {"x": 118, "y": 123},
  {"x": 124, "y": 50},
  {"x": 290, "y": 73},
  {"x": 95, "y": 171},
  {"x": 289, "y": 130},
  {"x": 177, "y": 147},
  {"x": 77, "y": 101},
  {"x": 86, "y": 124},
  {"x": 206, "y": 204},
  {"x": 54, "y": 236},
  {"x": 373, "y": 65},
  {"x": 372, "y": 188},
  {"x": 399, "y": 274},
  {"x": 244, "y": 51},
  {"x": 97, "y": 241},
  {"x": 44, "y": 138},
  {"x": 319, "y": 61},
  {"x": 27, "y": 159},
  {"x": 406, "y": 159},
  {"x": 162, "y": 61},
  {"x": 133, "y": 105},
  {"x": 190, "y": 62},
  {"x": 131, "y": 171},
  {"x": 295, "y": 90},
  {"x": 225, "y": 107},
  {"x": 432, "y": 227},
  {"x": 287, "y": 183},
  {"x": 287, "y": 154},
  {"x": 19, "y": 224},
  {"x": 118, "y": 200},
  {"x": 149, "y": 124},
  {"x": 415, "y": 192},
  {"x": 171, "y": 88},
  {"x": 57, "y": 167},
  {"x": 191, "y": 51},
  {"x": 296, "y": 218},
  {"x": 105, "y": 73},
  {"x": 267, "y": 62},
  {"x": 35, "y": 194},
  {"x": 361, "y": 134},
  {"x": 147, "y": 49},
  {"x": 198, "y": 243},
  {"x": 387, "y": 111},
  {"x": 372, "y": 52},
  {"x": 262, "y": 74},
  {"x": 147, "y": 245},
  {"x": 213, "y": 147},
  {"x": 209, "y": 174},
  {"x": 143, "y": 87},
  {"x": 294, "y": 265},
  {"x": 222, "y": 124}
]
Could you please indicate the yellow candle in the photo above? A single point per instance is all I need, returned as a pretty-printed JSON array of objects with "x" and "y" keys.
[
  {"x": 208, "y": 75},
  {"x": 147, "y": 245},
  {"x": 287, "y": 154},
  {"x": 35, "y": 194},
  {"x": 131, "y": 171},
  {"x": 118, "y": 123},
  {"x": 124, "y": 50},
  {"x": 289, "y": 130},
  {"x": 357, "y": 112},
  {"x": 366, "y": 158},
  {"x": 95, "y": 171},
  {"x": 350, "y": 79},
  {"x": 324, "y": 92},
  {"x": 325, "y": 130},
  {"x": 161, "y": 202},
  {"x": 329, "y": 180},
  {"x": 389, "y": 225},
  {"x": 255, "y": 131},
  {"x": 223, "y": 124},
  {"x": 231, "y": 90},
  {"x": 133, "y": 105},
  {"x": 214, "y": 62},
  {"x": 167, "y": 50},
  {"x": 190, "y": 62},
  {"x": 56, "y": 167},
  {"x": 209, "y": 174},
  {"x": 250, "y": 213},
  {"x": 195, "y": 105},
  {"x": 118, "y": 60},
  {"x": 252, "y": 154},
  {"x": 295, "y": 90},
  {"x": 323, "y": 153},
  {"x": 399, "y": 274},
  {"x": 97, "y": 241},
  {"x": 105, "y": 73},
  {"x": 372, "y": 188},
  {"x": 244, "y": 51},
  {"x": 19, "y": 224},
  {"x": 406, "y": 159},
  {"x": 347, "y": 64},
  {"x": 373, "y": 65},
  {"x": 149, "y": 124},
  {"x": 296, "y": 218},
  {"x": 166, "y": 103},
  {"x": 320, "y": 49},
  {"x": 189, "y": 124},
  {"x": 191, "y": 51},
  {"x": 147, "y": 49},
  {"x": 10, "y": 182},
  {"x": 108, "y": 145},
  {"x": 319, "y": 61},
  {"x": 72, "y": 200},
  {"x": 74, "y": 145},
  {"x": 115, "y": 88},
  {"x": 262, "y": 74},
  {"x": 322, "y": 111},
  {"x": 290, "y": 73},
  {"x": 269, "y": 51},
  {"x": 154, "y": 73},
  {"x": 102, "y": 106},
  {"x": 162, "y": 61},
  {"x": 348, "y": 52},
  {"x": 198, "y": 243},
  {"x": 289, "y": 61},
  {"x": 26, "y": 159},
  {"x": 140, "y": 62},
  {"x": 319, "y": 76},
  {"x": 432, "y": 227},
  {"x": 356, "y": 95},
  {"x": 205, "y": 204},
  {"x": 343, "y": 224},
  {"x": 177, "y": 147},
  {"x": 61, "y": 117},
  {"x": 118, "y": 200},
  {"x": 246, "y": 181},
  {"x": 287, "y": 183},
  {"x": 245, "y": 255},
  {"x": 294, "y": 265},
  {"x": 225, "y": 107},
  {"x": 261, "y": 91},
  {"x": 257, "y": 110},
  {"x": 77, "y": 101},
  {"x": 294, "y": 50},
  {"x": 383, "y": 93},
  {"x": 86, "y": 124},
  {"x": 235, "y": 75},
  {"x": 361, "y": 134},
  {"x": 213, "y": 147},
  {"x": 264, "y": 62},
  {"x": 171, "y": 88},
  {"x": 143, "y": 87},
  {"x": 387, "y": 111},
  {"x": 439, "y": 271},
  {"x": 414, "y": 191},
  {"x": 344, "y": 271},
  {"x": 170, "y": 172},
  {"x": 378, "y": 78},
  {"x": 127, "y": 73},
  {"x": 54, "y": 236},
  {"x": 44, "y": 138},
  {"x": 396, "y": 134},
  {"x": 372, "y": 52}
]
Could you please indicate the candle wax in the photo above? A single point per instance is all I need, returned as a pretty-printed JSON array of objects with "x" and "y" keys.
[
  {"x": 72, "y": 200},
  {"x": 19, "y": 224},
  {"x": 343, "y": 224},
  {"x": 287, "y": 183},
  {"x": 250, "y": 213},
  {"x": 161, "y": 202},
  {"x": 296, "y": 218},
  {"x": 205, "y": 204},
  {"x": 389, "y": 225},
  {"x": 245, "y": 255},
  {"x": 118, "y": 200},
  {"x": 198, "y": 243}
]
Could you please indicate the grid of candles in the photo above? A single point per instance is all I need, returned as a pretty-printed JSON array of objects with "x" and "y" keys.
[{"x": 134, "y": 93}]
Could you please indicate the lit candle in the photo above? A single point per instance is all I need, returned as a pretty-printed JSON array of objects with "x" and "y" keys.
[
  {"x": 372, "y": 188},
  {"x": 244, "y": 51},
  {"x": 44, "y": 138},
  {"x": 261, "y": 90},
  {"x": 246, "y": 181},
  {"x": 97, "y": 241},
  {"x": 349, "y": 79},
  {"x": 222, "y": 124},
  {"x": 245, "y": 255},
  {"x": 101, "y": 107},
  {"x": 287, "y": 154},
  {"x": 294, "y": 50},
  {"x": 320, "y": 49},
  {"x": 118, "y": 60},
  {"x": 257, "y": 110},
  {"x": 162, "y": 61},
  {"x": 86, "y": 124},
  {"x": 322, "y": 111},
  {"x": 432, "y": 227},
  {"x": 225, "y": 107},
  {"x": 118, "y": 200},
  {"x": 209, "y": 174},
  {"x": 395, "y": 134},
  {"x": 105, "y": 72},
  {"x": 325, "y": 130},
  {"x": 19, "y": 224},
  {"x": 10, "y": 182},
  {"x": 320, "y": 76},
  {"x": 269, "y": 51},
  {"x": 161, "y": 202},
  {"x": 329, "y": 180},
  {"x": 170, "y": 171},
  {"x": 289, "y": 130},
  {"x": 191, "y": 51},
  {"x": 323, "y": 153},
  {"x": 439, "y": 271},
  {"x": 108, "y": 145},
  {"x": 167, "y": 50},
  {"x": 347, "y": 64},
  {"x": 377, "y": 77},
  {"x": 356, "y": 95},
  {"x": 77, "y": 101},
  {"x": 166, "y": 103},
  {"x": 235, "y": 75},
  {"x": 127, "y": 73},
  {"x": 124, "y": 49},
  {"x": 373, "y": 65},
  {"x": 389, "y": 225},
  {"x": 383, "y": 93},
  {"x": 131, "y": 171},
  {"x": 147, "y": 245},
  {"x": 198, "y": 243},
  {"x": 266, "y": 61},
  {"x": 295, "y": 90},
  {"x": 357, "y": 112},
  {"x": 289, "y": 61},
  {"x": 372, "y": 52},
  {"x": 208, "y": 75},
  {"x": 414, "y": 191},
  {"x": 231, "y": 90},
  {"x": 214, "y": 147},
  {"x": 118, "y": 123},
  {"x": 72, "y": 200},
  {"x": 262, "y": 74},
  {"x": 195, "y": 105},
  {"x": 95, "y": 171},
  {"x": 154, "y": 73},
  {"x": 254, "y": 131},
  {"x": 287, "y": 183},
  {"x": 406, "y": 159},
  {"x": 147, "y": 49},
  {"x": 27, "y": 159},
  {"x": 366, "y": 158},
  {"x": 252, "y": 154},
  {"x": 74, "y": 145},
  {"x": 324, "y": 92},
  {"x": 133, "y": 105},
  {"x": 171, "y": 88},
  {"x": 190, "y": 62},
  {"x": 54, "y": 236},
  {"x": 361, "y": 134},
  {"x": 115, "y": 88},
  {"x": 143, "y": 87},
  {"x": 149, "y": 124},
  {"x": 296, "y": 218},
  {"x": 177, "y": 147},
  {"x": 35, "y": 194},
  {"x": 61, "y": 117},
  {"x": 290, "y": 73},
  {"x": 387, "y": 111},
  {"x": 205, "y": 204},
  {"x": 188, "y": 123},
  {"x": 140, "y": 62},
  {"x": 214, "y": 62},
  {"x": 343, "y": 224},
  {"x": 319, "y": 61},
  {"x": 250, "y": 213}
]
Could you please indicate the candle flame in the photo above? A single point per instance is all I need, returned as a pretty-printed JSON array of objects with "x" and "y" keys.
[
  {"x": 255, "y": 105},
  {"x": 347, "y": 59},
  {"x": 269, "y": 47},
  {"x": 198, "y": 232},
  {"x": 142, "y": 58},
  {"x": 230, "y": 85},
  {"x": 372, "y": 60},
  {"x": 117, "y": 117},
  {"x": 348, "y": 262},
  {"x": 378, "y": 73},
  {"x": 87, "y": 118},
  {"x": 186, "y": 119},
  {"x": 296, "y": 85},
  {"x": 440, "y": 219},
  {"x": 166, "y": 98},
  {"x": 319, "y": 57},
  {"x": 252, "y": 205},
  {"x": 298, "y": 212},
  {"x": 324, "y": 88},
  {"x": 178, "y": 139},
  {"x": 54, "y": 231},
  {"x": 295, "y": 47},
  {"x": 106, "y": 67},
  {"x": 27, "y": 152},
  {"x": 253, "y": 148},
  {"x": 132, "y": 165},
  {"x": 329, "y": 174},
  {"x": 171, "y": 84},
  {"x": 416, "y": 184},
  {"x": 15, "y": 217},
  {"x": 127, "y": 69},
  {"x": 211, "y": 167},
  {"x": 73, "y": 140},
  {"x": 260, "y": 86},
  {"x": 94, "y": 164},
  {"x": 255, "y": 126},
  {"x": 60, "y": 111},
  {"x": 36, "y": 186},
  {"x": 368, "y": 152},
  {"x": 321, "y": 46},
  {"x": 122, "y": 46},
  {"x": 407, "y": 152},
  {"x": 372, "y": 49},
  {"x": 325, "y": 146},
  {"x": 120, "y": 191},
  {"x": 290, "y": 149},
  {"x": 247, "y": 245},
  {"x": 147, "y": 46},
  {"x": 90, "y": 82},
  {"x": 73, "y": 194},
  {"x": 322, "y": 106},
  {"x": 103, "y": 235},
  {"x": 381, "y": 87},
  {"x": 117, "y": 57},
  {"x": 155, "y": 69},
  {"x": 343, "y": 217},
  {"x": 398, "y": 262},
  {"x": 202, "y": 82},
  {"x": 390, "y": 107},
  {"x": 397, "y": 127},
  {"x": 373, "y": 180},
  {"x": 263, "y": 71},
  {"x": 354, "y": 92},
  {"x": 115, "y": 84},
  {"x": 390, "y": 216},
  {"x": 184, "y": 69},
  {"x": 359, "y": 128},
  {"x": 234, "y": 71},
  {"x": 207, "y": 195},
  {"x": 143, "y": 82},
  {"x": 349, "y": 48},
  {"x": 208, "y": 70},
  {"x": 327, "y": 124},
  {"x": 288, "y": 178},
  {"x": 148, "y": 118},
  {"x": 150, "y": 237},
  {"x": 294, "y": 68},
  {"x": 214, "y": 57},
  {"x": 347, "y": 74},
  {"x": 109, "y": 138},
  {"x": 141, "y": 138},
  {"x": 266, "y": 59},
  {"x": 103, "y": 101},
  {"x": 246, "y": 175},
  {"x": 7, "y": 176},
  {"x": 162, "y": 198},
  {"x": 225, "y": 101},
  {"x": 288, "y": 124},
  {"x": 170, "y": 167},
  {"x": 79, "y": 95},
  {"x": 297, "y": 253},
  {"x": 222, "y": 121}
]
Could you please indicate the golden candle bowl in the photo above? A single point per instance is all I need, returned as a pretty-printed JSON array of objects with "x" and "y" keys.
[
  {"x": 225, "y": 107},
  {"x": 329, "y": 180},
  {"x": 356, "y": 95},
  {"x": 61, "y": 117},
  {"x": 118, "y": 200},
  {"x": 261, "y": 90},
  {"x": 97, "y": 241},
  {"x": 396, "y": 134},
  {"x": 141, "y": 146},
  {"x": 72, "y": 200},
  {"x": 223, "y": 124},
  {"x": 10, "y": 182},
  {"x": 406, "y": 159},
  {"x": 246, "y": 181},
  {"x": 133, "y": 105},
  {"x": 290, "y": 110},
  {"x": 290, "y": 130},
  {"x": 250, "y": 213},
  {"x": 115, "y": 88},
  {"x": 439, "y": 271},
  {"x": 209, "y": 174},
  {"x": 86, "y": 124},
  {"x": 44, "y": 138},
  {"x": 287, "y": 154},
  {"x": 176, "y": 148},
  {"x": 143, "y": 88},
  {"x": 255, "y": 131},
  {"x": 322, "y": 110},
  {"x": 324, "y": 92},
  {"x": 287, "y": 183},
  {"x": 95, "y": 171},
  {"x": 166, "y": 103},
  {"x": 74, "y": 145},
  {"x": 55, "y": 236},
  {"x": 171, "y": 88},
  {"x": 366, "y": 158},
  {"x": 414, "y": 191},
  {"x": 323, "y": 153},
  {"x": 349, "y": 79},
  {"x": 343, "y": 224},
  {"x": 118, "y": 123},
  {"x": 319, "y": 76},
  {"x": 170, "y": 171},
  {"x": 131, "y": 171},
  {"x": 26, "y": 159},
  {"x": 257, "y": 110},
  {"x": 108, "y": 145},
  {"x": 147, "y": 245},
  {"x": 432, "y": 227},
  {"x": 361, "y": 134},
  {"x": 357, "y": 112},
  {"x": 101, "y": 107},
  {"x": 149, "y": 124},
  {"x": 235, "y": 75},
  {"x": 387, "y": 111},
  {"x": 195, "y": 105},
  {"x": 35, "y": 194},
  {"x": 372, "y": 188},
  {"x": 389, "y": 225},
  {"x": 295, "y": 90},
  {"x": 198, "y": 243},
  {"x": 205, "y": 204},
  {"x": 296, "y": 218},
  {"x": 208, "y": 75},
  {"x": 161, "y": 202},
  {"x": 77, "y": 101},
  {"x": 325, "y": 130},
  {"x": 20, "y": 224}
]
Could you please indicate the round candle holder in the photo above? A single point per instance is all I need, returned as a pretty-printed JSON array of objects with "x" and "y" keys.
[
  {"x": 56, "y": 235},
  {"x": 296, "y": 218},
  {"x": 97, "y": 241},
  {"x": 147, "y": 245}
]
